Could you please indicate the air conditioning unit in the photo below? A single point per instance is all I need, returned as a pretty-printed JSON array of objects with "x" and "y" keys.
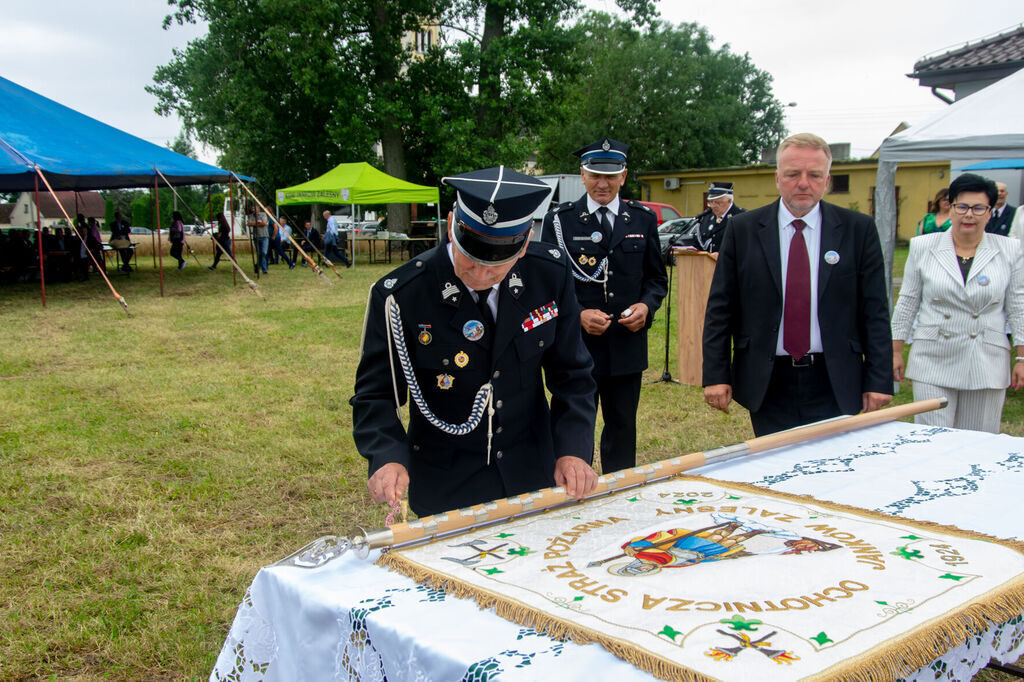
[{"x": 671, "y": 183}]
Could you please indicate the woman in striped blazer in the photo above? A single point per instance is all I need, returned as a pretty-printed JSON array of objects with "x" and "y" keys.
[{"x": 967, "y": 286}]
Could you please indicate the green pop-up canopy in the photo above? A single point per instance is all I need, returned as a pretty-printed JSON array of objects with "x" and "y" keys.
[{"x": 356, "y": 183}]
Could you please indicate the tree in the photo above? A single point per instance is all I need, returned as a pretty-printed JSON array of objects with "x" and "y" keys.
[
  {"x": 273, "y": 84},
  {"x": 667, "y": 92},
  {"x": 289, "y": 89}
]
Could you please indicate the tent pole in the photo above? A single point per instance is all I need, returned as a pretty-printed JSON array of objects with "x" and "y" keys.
[
  {"x": 231, "y": 207},
  {"x": 159, "y": 242},
  {"x": 39, "y": 243},
  {"x": 102, "y": 272}
]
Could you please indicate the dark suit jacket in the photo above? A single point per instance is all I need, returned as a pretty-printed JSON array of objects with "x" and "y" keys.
[
  {"x": 711, "y": 232},
  {"x": 1001, "y": 225},
  {"x": 528, "y": 434},
  {"x": 745, "y": 307},
  {"x": 637, "y": 275}
]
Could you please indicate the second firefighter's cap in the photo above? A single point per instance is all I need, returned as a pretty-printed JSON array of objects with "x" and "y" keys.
[
  {"x": 719, "y": 189},
  {"x": 606, "y": 156},
  {"x": 494, "y": 210}
]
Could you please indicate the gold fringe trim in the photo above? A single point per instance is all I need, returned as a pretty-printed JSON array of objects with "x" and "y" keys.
[
  {"x": 890, "y": 661},
  {"x": 558, "y": 628}
]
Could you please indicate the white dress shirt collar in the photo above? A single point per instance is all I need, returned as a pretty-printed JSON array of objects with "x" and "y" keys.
[
  {"x": 812, "y": 219},
  {"x": 613, "y": 205}
]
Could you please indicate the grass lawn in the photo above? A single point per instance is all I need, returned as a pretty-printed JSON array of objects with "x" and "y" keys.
[{"x": 152, "y": 463}]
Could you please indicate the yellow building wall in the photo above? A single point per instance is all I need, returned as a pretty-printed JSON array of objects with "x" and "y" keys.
[{"x": 754, "y": 186}]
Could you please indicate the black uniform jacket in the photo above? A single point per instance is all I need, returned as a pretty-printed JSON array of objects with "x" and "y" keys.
[
  {"x": 1002, "y": 224},
  {"x": 450, "y": 368},
  {"x": 636, "y": 274},
  {"x": 710, "y": 231},
  {"x": 745, "y": 307}
]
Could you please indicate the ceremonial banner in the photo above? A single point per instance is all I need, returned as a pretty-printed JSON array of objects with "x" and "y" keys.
[{"x": 697, "y": 579}]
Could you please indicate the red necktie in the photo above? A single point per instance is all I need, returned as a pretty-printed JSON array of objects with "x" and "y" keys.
[{"x": 796, "y": 316}]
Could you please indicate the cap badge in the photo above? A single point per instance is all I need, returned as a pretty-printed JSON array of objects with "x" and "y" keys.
[
  {"x": 831, "y": 257},
  {"x": 389, "y": 283},
  {"x": 490, "y": 215},
  {"x": 461, "y": 359},
  {"x": 473, "y": 330},
  {"x": 596, "y": 236},
  {"x": 445, "y": 381},
  {"x": 605, "y": 145},
  {"x": 424, "y": 336}
]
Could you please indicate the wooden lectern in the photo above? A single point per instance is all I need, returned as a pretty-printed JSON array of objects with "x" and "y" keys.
[{"x": 693, "y": 282}]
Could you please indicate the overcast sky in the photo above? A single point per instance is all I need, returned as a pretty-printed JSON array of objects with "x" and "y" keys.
[{"x": 843, "y": 64}]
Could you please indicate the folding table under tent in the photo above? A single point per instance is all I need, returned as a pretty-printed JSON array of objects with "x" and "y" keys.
[
  {"x": 76, "y": 152},
  {"x": 358, "y": 184}
]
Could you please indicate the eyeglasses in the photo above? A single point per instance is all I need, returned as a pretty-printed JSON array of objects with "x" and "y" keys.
[{"x": 977, "y": 209}]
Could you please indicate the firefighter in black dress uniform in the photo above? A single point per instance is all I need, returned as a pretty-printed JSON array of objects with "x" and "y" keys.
[
  {"x": 465, "y": 330},
  {"x": 613, "y": 248},
  {"x": 713, "y": 221}
]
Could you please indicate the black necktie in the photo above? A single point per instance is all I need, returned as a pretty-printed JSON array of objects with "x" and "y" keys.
[
  {"x": 482, "y": 296},
  {"x": 606, "y": 226}
]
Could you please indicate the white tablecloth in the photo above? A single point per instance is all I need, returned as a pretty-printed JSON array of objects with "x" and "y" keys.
[{"x": 350, "y": 620}]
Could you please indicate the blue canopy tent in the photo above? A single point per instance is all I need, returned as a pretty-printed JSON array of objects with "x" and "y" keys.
[
  {"x": 994, "y": 164},
  {"x": 77, "y": 152}
]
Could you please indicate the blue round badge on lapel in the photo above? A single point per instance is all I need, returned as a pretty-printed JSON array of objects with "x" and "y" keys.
[
  {"x": 596, "y": 236},
  {"x": 831, "y": 257},
  {"x": 473, "y": 330},
  {"x": 983, "y": 280}
]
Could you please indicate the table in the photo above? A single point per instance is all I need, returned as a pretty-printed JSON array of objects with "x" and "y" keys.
[
  {"x": 109, "y": 251},
  {"x": 350, "y": 619},
  {"x": 416, "y": 246}
]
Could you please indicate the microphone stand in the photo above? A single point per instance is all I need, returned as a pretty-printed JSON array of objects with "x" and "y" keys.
[{"x": 666, "y": 377}]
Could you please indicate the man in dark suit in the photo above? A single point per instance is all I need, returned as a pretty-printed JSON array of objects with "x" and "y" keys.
[
  {"x": 797, "y": 323},
  {"x": 713, "y": 221},
  {"x": 612, "y": 245},
  {"x": 473, "y": 331},
  {"x": 1002, "y": 213}
]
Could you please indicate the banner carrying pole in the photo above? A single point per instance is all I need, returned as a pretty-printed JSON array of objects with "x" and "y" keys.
[
  {"x": 312, "y": 264},
  {"x": 497, "y": 511}
]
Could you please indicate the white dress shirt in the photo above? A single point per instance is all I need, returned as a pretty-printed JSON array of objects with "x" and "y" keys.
[
  {"x": 612, "y": 206},
  {"x": 812, "y": 238}
]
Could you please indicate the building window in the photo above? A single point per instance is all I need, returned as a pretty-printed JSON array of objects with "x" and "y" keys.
[
  {"x": 423, "y": 41},
  {"x": 840, "y": 184}
]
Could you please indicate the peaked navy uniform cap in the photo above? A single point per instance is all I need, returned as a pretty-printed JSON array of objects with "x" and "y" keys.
[
  {"x": 606, "y": 156},
  {"x": 494, "y": 210},
  {"x": 719, "y": 189}
]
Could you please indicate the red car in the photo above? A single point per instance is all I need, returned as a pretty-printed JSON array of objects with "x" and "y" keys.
[{"x": 662, "y": 211}]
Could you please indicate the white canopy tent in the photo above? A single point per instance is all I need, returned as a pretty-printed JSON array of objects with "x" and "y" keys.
[{"x": 986, "y": 125}]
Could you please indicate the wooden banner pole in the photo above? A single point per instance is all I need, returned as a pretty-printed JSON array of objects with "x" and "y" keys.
[{"x": 429, "y": 527}]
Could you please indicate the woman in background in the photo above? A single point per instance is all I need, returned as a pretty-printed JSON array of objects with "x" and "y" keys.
[
  {"x": 177, "y": 237},
  {"x": 223, "y": 238},
  {"x": 966, "y": 285},
  {"x": 938, "y": 217}
]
